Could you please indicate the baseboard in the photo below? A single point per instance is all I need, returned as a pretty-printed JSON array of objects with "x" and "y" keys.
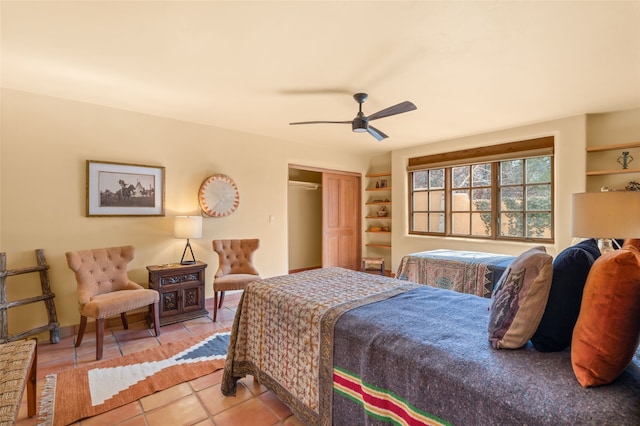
[{"x": 295, "y": 271}]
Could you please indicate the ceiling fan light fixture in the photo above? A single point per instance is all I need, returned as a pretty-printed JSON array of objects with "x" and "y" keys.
[{"x": 359, "y": 125}]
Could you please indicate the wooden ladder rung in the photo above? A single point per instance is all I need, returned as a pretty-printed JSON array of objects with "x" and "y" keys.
[
  {"x": 21, "y": 271},
  {"x": 28, "y": 300}
]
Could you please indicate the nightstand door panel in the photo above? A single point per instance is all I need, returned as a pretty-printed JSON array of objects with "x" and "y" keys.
[
  {"x": 170, "y": 301},
  {"x": 192, "y": 297}
]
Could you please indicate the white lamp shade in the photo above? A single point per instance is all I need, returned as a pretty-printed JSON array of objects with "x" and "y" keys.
[
  {"x": 614, "y": 214},
  {"x": 187, "y": 227}
]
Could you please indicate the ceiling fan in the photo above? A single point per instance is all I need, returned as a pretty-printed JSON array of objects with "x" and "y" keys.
[{"x": 360, "y": 123}]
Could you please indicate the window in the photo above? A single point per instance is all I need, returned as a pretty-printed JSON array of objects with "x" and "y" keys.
[{"x": 501, "y": 192}]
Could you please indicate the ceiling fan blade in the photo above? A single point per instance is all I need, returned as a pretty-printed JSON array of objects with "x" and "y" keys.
[
  {"x": 376, "y": 133},
  {"x": 405, "y": 106},
  {"x": 318, "y": 122}
]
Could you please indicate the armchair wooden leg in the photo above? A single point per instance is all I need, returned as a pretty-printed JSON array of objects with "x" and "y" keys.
[
  {"x": 81, "y": 330},
  {"x": 221, "y": 299},
  {"x": 125, "y": 322},
  {"x": 31, "y": 384},
  {"x": 99, "y": 337},
  {"x": 155, "y": 308},
  {"x": 215, "y": 305}
]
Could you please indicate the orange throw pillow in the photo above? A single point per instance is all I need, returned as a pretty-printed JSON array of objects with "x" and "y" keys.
[{"x": 607, "y": 332}]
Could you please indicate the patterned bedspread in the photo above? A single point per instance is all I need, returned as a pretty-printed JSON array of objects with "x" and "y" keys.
[
  {"x": 463, "y": 271},
  {"x": 283, "y": 333}
]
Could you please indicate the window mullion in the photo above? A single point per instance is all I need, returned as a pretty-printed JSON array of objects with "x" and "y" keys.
[
  {"x": 495, "y": 200},
  {"x": 448, "y": 218}
]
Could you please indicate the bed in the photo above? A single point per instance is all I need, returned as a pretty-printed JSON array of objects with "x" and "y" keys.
[
  {"x": 347, "y": 348},
  {"x": 469, "y": 272}
]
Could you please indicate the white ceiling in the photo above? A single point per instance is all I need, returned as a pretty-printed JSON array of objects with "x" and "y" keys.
[{"x": 469, "y": 67}]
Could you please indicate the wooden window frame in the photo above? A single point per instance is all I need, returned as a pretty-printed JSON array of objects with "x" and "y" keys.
[{"x": 493, "y": 155}]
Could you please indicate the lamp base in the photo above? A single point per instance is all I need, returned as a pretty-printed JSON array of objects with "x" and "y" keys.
[
  {"x": 193, "y": 258},
  {"x": 605, "y": 245}
]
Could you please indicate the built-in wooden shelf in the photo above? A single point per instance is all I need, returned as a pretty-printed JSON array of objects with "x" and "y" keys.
[
  {"x": 613, "y": 147},
  {"x": 620, "y": 146},
  {"x": 612, "y": 172},
  {"x": 379, "y": 245},
  {"x": 384, "y": 200}
]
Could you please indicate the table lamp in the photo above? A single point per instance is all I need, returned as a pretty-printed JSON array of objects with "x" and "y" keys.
[
  {"x": 606, "y": 216},
  {"x": 187, "y": 227}
]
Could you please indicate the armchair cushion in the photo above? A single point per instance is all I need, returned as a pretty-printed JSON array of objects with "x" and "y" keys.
[
  {"x": 233, "y": 281},
  {"x": 111, "y": 304}
]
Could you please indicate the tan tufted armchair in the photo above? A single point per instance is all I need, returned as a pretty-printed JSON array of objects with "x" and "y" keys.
[
  {"x": 235, "y": 268},
  {"x": 105, "y": 290}
]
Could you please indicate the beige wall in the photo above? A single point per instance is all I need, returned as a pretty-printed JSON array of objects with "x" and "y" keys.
[
  {"x": 570, "y": 137},
  {"x": 45, "y": 144}
]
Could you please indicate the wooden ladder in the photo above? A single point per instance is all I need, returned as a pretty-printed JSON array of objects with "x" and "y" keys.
[{"x": 46, "y": 297}]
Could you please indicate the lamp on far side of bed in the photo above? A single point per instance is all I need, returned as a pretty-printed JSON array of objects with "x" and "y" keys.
[
  {"x": 606, "y": 216},
  {"x": 187, "y": 227}
]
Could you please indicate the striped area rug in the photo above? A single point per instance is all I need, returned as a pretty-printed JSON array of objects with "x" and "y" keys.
[{"x": 87, "y": 391}]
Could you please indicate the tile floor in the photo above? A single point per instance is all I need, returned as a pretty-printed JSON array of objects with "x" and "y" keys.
[{"x": 198, "y": 402}]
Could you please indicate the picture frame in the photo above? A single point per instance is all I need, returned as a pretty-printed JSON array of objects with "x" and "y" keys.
[
  {"x": 122, "y": 189},
  {"x": 383, "y": 183}
]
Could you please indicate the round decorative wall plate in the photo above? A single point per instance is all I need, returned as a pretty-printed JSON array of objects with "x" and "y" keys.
[{"x": 218, "y": 196}]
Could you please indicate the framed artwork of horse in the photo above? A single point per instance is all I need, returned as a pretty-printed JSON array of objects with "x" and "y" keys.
[{"x": 120, "y": 189}]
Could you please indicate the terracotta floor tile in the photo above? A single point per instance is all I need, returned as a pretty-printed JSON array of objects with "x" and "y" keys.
[
  {"x": 203, "y": 328},
  {"x": 135, "y": 421},
  {"x": 132, "y": 334},
  {"x": 88, "y": 358},
  {"x": 206, "y": 381},
  {"x": 249, "y": 413},
  {"x": 185, "y": 411},
  {"x": 114, "y": 416},
  {"x": 173, "y": 335},
  {"x": 196, "y": 321},
  {"x": 165, "y": 397},
  {"x": 45, "y": 370},
  {"x": 138, "y": 345},
  {"x": 215, "y": 402},
  {"x": 293, "y": 421},
  {"x": 270, "y": 399},
  {"x": 254, "y": 386},
  {"x": 64, "y": 343},
  {"x": 55, "y": 354}
]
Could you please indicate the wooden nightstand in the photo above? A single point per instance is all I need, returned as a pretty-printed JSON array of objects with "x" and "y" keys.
[{"x": 181, "y": 289}]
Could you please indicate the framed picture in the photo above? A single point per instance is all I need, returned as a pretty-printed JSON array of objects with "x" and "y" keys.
[
  {"x": 383, "y": 183},
  {"x": 119, "y": 189}
]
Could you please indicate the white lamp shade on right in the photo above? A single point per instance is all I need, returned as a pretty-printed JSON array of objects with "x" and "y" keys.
[{"x": 613, "y": 214}]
